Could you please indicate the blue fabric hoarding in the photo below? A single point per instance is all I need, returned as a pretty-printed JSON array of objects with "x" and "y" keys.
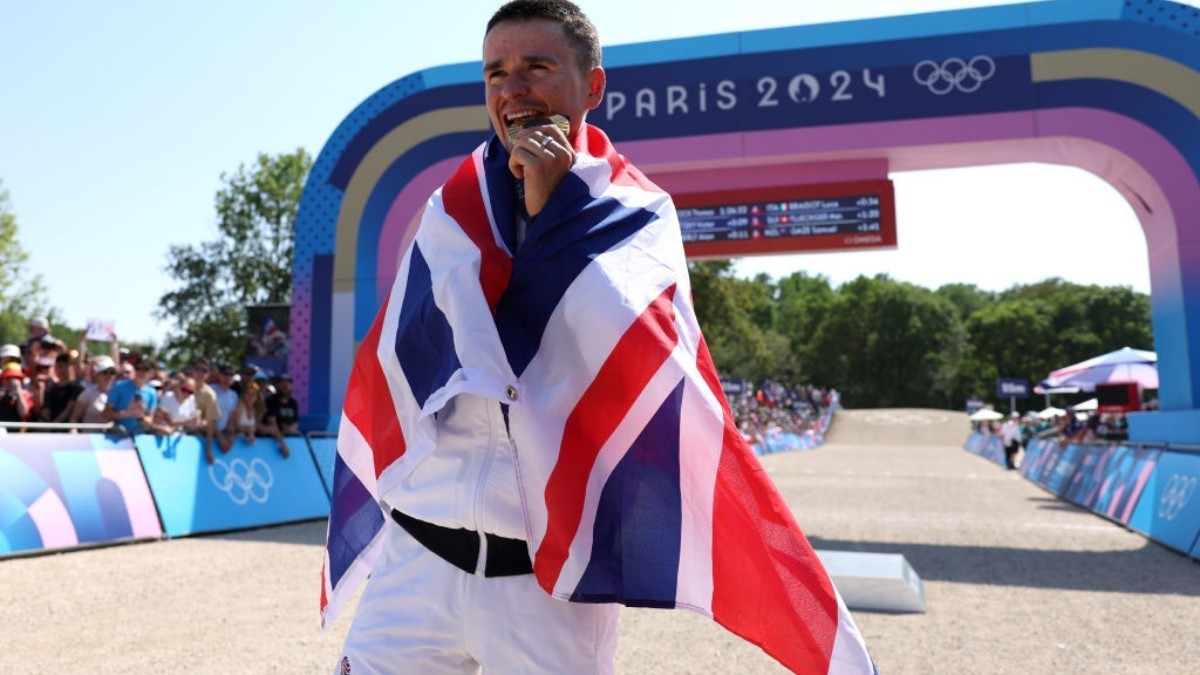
[
  {"x": 251, "y": 486},
  {"x": 64, "y": 490},
  {"x": 1058, "y": 476},
  {"x": 987, "y": 446},
  {"x": 1169, "y": 509},
  {"x": 1034, "y": 450},
  {"x": 1084, "y": 487}
]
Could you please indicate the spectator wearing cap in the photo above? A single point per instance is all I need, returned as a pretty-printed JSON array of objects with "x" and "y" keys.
[
  {"x": 1010, "y": 436},
  {"x": 10, "y": 354},
  {"x": 62, "y": 391},
  {"x": 39, "y": 329},
  {"x": 16, "y": 403},
  {"x": 89, "y": 406},
  {"x": 247, "y": 374},
  {"x": 283, "y": 413},
  {"x": 131, "y": 403},
  {"x": 206, "y": 404}
]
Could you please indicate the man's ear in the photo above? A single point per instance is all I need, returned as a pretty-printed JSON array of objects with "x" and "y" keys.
[{"x": 596, "y": 82}]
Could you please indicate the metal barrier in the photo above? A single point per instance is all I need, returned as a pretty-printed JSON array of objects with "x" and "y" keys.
[
  {"x": 318, "y": 450},
  {"x": 66, "y": 426}
]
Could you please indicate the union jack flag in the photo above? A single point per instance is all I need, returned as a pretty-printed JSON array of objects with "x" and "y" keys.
[{"x": 637, "y": 486}]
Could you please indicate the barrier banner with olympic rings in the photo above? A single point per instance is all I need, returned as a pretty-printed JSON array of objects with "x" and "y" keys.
[
  {"x": 59, "y": 491},
  {"x": 250, "y": 486},
  {"x": 1169, "y": 508}
]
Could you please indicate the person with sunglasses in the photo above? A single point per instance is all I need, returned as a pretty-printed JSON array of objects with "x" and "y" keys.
[
  {"x": 89, "y": 406},
  {"x": 131, "y": 403},
  {"x": 178, "y": 411}
]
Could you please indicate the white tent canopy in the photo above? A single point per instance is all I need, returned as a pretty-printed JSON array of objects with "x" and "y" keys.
[
  {"x": 1051, "y": 412},
  {"x": 985, "y": 415}
]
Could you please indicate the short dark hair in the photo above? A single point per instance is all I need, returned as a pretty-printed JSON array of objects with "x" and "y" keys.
[{"x": 579, "y": 29}]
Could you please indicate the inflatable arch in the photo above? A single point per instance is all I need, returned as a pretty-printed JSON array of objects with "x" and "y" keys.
[{"x": 1111, "y": 86}]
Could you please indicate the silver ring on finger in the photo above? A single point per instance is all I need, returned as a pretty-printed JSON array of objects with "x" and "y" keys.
[{"x": 546, "y": 140}]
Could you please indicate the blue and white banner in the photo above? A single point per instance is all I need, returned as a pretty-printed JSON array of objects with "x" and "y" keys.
[
  {"x": 250, "y": 486},
  {"x": 59, "y": 491},
  {"x": 1057, "y": 477},
  {"x": 1169, "y": 510}
]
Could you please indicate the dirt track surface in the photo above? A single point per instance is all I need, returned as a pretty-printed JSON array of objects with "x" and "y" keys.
[{"x": 1016, "y": 581}]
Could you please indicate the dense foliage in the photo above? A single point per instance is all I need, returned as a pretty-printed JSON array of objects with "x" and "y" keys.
[
  {"x": 249, "y": 263},
  {"x": 22, "y": 295},
  {"x": 886, "y": 343}
]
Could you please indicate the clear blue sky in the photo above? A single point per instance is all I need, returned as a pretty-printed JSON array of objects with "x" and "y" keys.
[{"x": 117, "y": 120}]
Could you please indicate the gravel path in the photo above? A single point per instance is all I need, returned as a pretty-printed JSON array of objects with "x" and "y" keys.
[{"x": 1016, "y": 581}]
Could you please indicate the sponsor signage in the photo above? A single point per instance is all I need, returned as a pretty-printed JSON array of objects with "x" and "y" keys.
[
  {"x": 65, "y": 490},
  {"x": 974, "y": 405},
  {"x": 250, "y": 486},
  {"x": 837, "y": 216},
  {"x": 1169, "y": 510},
  {"x": 732, "y": 386},
  {"x": 814, "y": 87},
  {"x": 1007, "y": 387}
]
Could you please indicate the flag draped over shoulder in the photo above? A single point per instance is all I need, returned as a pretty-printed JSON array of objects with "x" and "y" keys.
[{"x": 637, "y": 486}]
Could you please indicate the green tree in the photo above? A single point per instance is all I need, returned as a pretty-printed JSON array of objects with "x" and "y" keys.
[
  {"x": 804, "y": 302},
  {"x": 887, "y": 343},
  {"x": 726, "y": 308},
  {"x": 22, "y": 295},
  {"x": 250, "y": 262}
]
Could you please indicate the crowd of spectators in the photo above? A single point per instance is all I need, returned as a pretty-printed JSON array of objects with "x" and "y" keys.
[
  {"x": 44, "y": 385},
  {"x": 776, "y": 408},
  {"x": 1070, "y": 426},
  {"x": 44, "y": 382}
]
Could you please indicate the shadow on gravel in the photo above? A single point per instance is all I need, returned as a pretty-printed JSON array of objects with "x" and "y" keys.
[{"x": 1150, "y": 569}]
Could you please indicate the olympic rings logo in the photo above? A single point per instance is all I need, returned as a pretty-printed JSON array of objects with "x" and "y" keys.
[
  {"x": 242, "y": 481},
  {"x": 1178, "y": 493},
  {"x": 954, "y": 73}
]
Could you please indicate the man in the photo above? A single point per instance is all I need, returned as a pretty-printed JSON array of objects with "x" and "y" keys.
[
  {"x": 537, "y": 294},
  {"x": 62, "y": 390},
  {"x": 131, "y": 402},
  {"x": 283, "y": 412},
  {"x": 39, "y": 332},
  {"x": 206, "y": 404},
  {"x": 226, "y": 399},
  {"x": 1010, "y": 436}
]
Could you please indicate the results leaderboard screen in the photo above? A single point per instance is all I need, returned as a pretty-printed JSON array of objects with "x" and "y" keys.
[{"x": 825, "y": 217}]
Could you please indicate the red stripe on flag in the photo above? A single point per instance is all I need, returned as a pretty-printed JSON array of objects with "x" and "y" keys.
[
  {"x": 637, "y": 356},
  {"x": 324, "y": 595},
  {"x": 463, "y": 200},
  {"x": 769, "y": 587},
  {"x": 369, "y": 404}
]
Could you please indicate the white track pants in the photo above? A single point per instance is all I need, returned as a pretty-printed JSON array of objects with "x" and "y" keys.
[{"x": 420, "y": 614}]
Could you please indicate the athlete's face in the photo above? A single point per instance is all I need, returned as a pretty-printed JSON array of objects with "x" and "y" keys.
[{"x": 530, "y": 70}]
